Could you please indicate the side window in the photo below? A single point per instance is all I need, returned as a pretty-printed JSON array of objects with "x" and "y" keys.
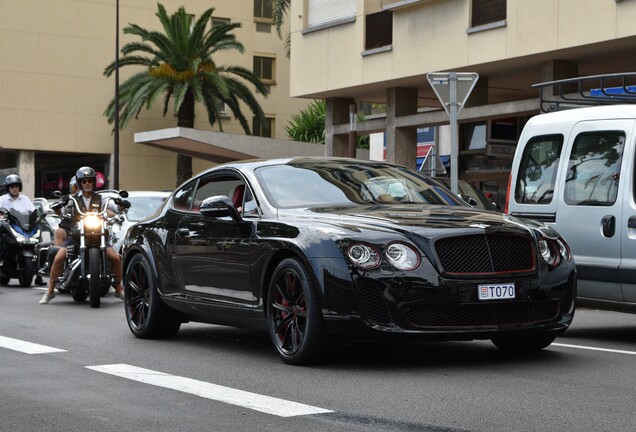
[
  {"x": 182, "y": 199},
  {"x": 538, "y": 170},
  {"x": 594, "y": 168}
]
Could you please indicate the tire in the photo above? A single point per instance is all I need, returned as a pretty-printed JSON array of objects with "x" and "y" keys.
[
  {"x": 147, "y": 315},
  {"x": 25, "y": 276},
  {"x": 524, "y": 344},
  {"x": 95, "y": 277},
  {"x": 294, "y": 319}
]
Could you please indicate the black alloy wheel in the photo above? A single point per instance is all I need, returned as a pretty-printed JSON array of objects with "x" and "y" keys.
[
  {"x": 148, "y": 317},
  {"x": 294, "y": 318}
]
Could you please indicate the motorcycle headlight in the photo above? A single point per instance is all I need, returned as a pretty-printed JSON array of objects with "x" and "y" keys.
[
  {"x": 18, "y": 237},
  {"x": 92, "y": 223}
]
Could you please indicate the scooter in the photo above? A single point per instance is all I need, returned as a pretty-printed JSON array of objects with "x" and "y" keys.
[{"x": 20, "y": 234}]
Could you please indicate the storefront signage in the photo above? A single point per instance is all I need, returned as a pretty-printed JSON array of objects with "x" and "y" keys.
[{"x": 500, "y": 150}]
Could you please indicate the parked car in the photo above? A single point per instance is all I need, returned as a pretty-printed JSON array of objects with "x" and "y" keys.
[
  {"x": 470, "y": 193},
  {"x": 314, "y": 249},
  {"x": 143, "y": 204}
]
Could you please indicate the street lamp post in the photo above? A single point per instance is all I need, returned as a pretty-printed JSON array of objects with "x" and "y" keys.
[{"x": 116, "y": 134}]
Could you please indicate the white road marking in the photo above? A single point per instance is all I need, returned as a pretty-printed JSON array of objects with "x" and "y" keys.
[
  {"x": 594, "y": 348},
  {"x": 26, "y": 347},
  {"x": 254, "y": 401}
]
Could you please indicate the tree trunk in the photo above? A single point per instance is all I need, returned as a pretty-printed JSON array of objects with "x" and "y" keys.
[{"x": 185, "y": 119}]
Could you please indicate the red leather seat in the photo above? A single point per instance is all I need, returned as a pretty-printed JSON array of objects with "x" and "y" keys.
[{"x": 237, "y": 196}]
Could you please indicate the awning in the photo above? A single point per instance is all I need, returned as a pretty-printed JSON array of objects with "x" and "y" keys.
[{"x": 223, "y": 147}]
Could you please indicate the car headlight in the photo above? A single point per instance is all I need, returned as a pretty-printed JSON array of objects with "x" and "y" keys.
[
  {"x": 564, "y": 249},
  {"x": 92, "y": 223},
  {"x": 402, "y": 257},
  {"x": 550, "y": 253},
  {"x": 363, "y": 255}
]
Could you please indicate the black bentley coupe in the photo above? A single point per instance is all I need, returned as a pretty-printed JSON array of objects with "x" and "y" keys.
[{"x": 317, "y": 249}]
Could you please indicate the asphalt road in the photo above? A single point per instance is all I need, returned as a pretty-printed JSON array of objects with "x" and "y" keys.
[{"x": 88, "y": 373}]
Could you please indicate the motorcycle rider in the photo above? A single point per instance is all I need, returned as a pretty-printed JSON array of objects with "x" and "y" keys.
[
  {"x": 87, "y": 182},
  {"x": 13, "y": 199},
  {"x": 64, "y": 229}
]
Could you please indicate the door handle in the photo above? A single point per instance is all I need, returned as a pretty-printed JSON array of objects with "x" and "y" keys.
[
  {"x": 183, "y": 232},
  {"x": 609, "y": 226},
  {"x": 631, "y": 222}
]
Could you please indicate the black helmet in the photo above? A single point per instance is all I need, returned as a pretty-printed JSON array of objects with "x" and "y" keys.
[
  {"x": 85, "y": 173},
  {"x": 12, "y": 179}
]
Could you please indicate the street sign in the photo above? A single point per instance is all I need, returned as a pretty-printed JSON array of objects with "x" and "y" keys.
[
  {"x": 450, "y": 88},
  {"x": 441, "y": 84}
]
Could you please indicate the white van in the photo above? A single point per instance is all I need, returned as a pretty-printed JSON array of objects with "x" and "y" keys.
[{"x": 575, "y": 169}]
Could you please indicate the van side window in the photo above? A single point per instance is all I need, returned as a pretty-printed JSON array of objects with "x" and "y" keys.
[
  {"x": 538, "y": 170},
  {"x": 594, "y": 168}
]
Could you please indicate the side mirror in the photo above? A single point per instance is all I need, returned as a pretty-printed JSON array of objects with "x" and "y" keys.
[
  {"x": 123, "y": 194},
  {"x": 219, "y": 206}
]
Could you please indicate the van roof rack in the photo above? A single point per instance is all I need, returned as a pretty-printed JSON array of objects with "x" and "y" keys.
[{"x": 607, "y": 89}]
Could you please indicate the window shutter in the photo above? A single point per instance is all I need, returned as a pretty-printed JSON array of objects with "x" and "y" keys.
[{"x": 323, "y": 11}]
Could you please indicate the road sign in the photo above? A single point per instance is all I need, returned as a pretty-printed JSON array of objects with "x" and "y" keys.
[
  {"x": 450, "y": 88},
  {"x": 441, "y": 84}
]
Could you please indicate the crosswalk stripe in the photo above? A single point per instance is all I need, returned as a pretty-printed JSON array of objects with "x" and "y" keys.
[
  {"x": 26, "y": 347},
  {"x": 254, "y": 401}
]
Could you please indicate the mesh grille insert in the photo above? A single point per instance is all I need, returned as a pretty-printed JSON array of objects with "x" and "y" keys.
[{"x": 479, "y": 254}]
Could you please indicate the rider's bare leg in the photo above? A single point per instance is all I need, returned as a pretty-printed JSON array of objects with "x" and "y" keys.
[
  {"x": 56, "y": 268},
  {"x": 115, "y": 265}
]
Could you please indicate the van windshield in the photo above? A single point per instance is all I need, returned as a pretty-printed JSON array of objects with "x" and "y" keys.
[{"x": 538, "y": 169}]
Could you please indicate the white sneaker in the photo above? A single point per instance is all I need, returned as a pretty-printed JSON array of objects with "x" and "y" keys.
[
  {"x": 120, "y": 294},
  {"x": 47, "y": 297}
]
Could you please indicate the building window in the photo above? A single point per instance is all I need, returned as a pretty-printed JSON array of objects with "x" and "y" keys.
[
  {"x": 263, "y": 9},
  {"x": 321, "y": 12},
  {"x": 379, "y": 30},
  {"x": 487, "y": 12},
  {"x": 216, "y": 22},
  {"x": 265, "y": 129},
  {"x": 264, "y": 69}
]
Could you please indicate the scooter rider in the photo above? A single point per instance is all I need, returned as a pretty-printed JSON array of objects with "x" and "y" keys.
[
  {"x": 86, "y": 180},
  {"x": 13, "y": 199}
]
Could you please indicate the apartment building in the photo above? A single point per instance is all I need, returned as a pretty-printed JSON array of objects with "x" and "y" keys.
[
  {"x": 380, "y": 51},
  {"x": 53, "y": 92}
]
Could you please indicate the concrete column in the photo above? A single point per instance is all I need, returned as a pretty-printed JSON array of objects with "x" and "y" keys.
[
  {"x": 556, "y": 70},
  {"x": 401, "y": 142},
  {"x": 26, "y": 170},
  {"x": 336, "y": 112}
]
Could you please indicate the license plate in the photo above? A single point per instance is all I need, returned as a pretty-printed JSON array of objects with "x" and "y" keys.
[{"x": 496, "y": 291}]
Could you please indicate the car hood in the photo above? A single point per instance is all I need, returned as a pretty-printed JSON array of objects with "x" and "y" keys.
[{"x": 414, "y": 218}]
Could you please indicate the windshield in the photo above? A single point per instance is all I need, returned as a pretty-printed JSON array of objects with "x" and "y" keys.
[
  {"x": 319, "y": 184},
  {"x": 143, "y": 207}
]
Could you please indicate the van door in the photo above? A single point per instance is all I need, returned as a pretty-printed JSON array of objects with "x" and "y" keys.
[
  {"x": 627, "y": 227},
  {"x": 589, "y": 213}
]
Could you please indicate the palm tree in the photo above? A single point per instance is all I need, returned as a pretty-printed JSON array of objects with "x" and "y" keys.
[
  {"x": 279, "y": 10},
  {"x": 178, "y": 64}
]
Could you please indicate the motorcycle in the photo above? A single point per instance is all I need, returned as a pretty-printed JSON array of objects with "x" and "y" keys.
[
  {"x": 20, "y": 234},
  {"x": 86, "y": 269}
]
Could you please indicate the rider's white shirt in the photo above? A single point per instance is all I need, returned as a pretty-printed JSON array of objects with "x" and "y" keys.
[{"x": 21, "y": 203}]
